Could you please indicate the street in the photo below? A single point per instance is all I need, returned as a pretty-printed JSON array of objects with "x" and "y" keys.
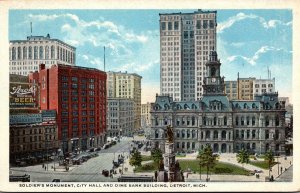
[{"x": 90, "y": 171}]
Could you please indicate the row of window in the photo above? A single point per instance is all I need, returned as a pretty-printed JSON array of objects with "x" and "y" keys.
[{"x": 41, "y": 52}]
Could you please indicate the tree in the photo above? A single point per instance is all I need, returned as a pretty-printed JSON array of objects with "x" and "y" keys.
[
  {"x": 135, "y": 158},
  {"x": 156, "y": 155},
  {"x": 269, "y": 157},
  {"x": 207, "y": 159},
  {"x": 243, "y": 157}
]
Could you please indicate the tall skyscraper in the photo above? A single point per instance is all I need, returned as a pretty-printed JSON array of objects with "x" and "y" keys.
[
  {"x": 26, "y": 55},
  {"x": 185, "y": 42},
  {"x": 126, "y": 85}
]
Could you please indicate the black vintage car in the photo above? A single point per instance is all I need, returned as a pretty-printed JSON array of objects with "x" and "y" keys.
[{"x": 105, "y": 173}]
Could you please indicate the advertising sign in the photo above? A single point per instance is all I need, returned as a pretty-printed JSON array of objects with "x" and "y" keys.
[{"x": 23, "y": 95}]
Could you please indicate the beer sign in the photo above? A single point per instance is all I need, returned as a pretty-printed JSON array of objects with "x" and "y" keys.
[{"x": 22, "y": 95}]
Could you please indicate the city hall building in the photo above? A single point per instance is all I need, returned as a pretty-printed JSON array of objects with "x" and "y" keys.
[
  {"x": 78, "y": 95},
  {"x": 227, "y": 126}
]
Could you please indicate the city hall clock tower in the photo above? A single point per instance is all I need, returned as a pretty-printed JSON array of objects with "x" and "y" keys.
[{"x": 213, "y": 82}]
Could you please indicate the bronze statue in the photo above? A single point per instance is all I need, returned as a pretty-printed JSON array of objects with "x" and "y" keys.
[{"x": 170, "y": 134}]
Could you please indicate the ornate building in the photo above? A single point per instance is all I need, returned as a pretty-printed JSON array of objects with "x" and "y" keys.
[{"x": 228, "y": 126}]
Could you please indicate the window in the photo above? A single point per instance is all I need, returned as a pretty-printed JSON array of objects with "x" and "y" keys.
[
  {"x": 24, "y": 52},
  {"x": 253, "y": 120},
  {"x": 19, "y": 53},
  {"x": 35, "y": 53},
  {"x": 225, "y": 120},
  {"x": 211, "y": 23},
  {"x": 204, "y": 24},
  {"x": 176, "y": 25},
  {"x": 13, "y": 53},
  {"x": 47, "y": 52},
  {"x": 169, "y": 25},
  {"x": 74, "y": 79},
  {"x": 198, "y": 24},
  {"x": 52, "y": 52},
  {"x": 191, "y": 34},
  {"x": 163, "y": 26},
  {"x": 277, "y": 120},
  {"x": 185, "y": 34},
  {"x": 41, "y": 53},
  {"x": 30, "y": 52}
]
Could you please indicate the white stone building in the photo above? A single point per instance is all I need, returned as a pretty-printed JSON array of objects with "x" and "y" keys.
[
  {"x": 120, "y": 117},
  {"x": 185, "y": 42},
  {"x": 261, "y": 86},
  {"x": 26, "y": 55}
]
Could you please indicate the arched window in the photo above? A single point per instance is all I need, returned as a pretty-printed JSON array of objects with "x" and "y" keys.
[
  {"x": 47, "y": 52},
  {"x": 253, "y": 134},
  {"x": 178, "y": 106},
  {"x": 24, "y": 52},
  {"x": 277, "y": 120},
  {"x": 267, "y": 121},
  {"x": 253, "y": 120},
  {"x": 182, "y": 145},
  {"x": 215, "y": 120},
  {"x": 35, "y": 53},
  {"x": 156, "y": 134},
  {"x": 242, "y": 134},
  {"x": 166, "y": 107},
  {"x": 207, "y": 134},
  {"x": 178, "y": 134},
  {"x": 248, "y": 120},
  {"x": 19, "y": 53},
  {"x": 30, "y": 52},
  {"x": 267, "y": 136},
  {"x": 237, "y": 134},
  {"x": 13, "y": 53},
  {"x": 215, "y": 134},
  {"x": 52, "y": 52},
  {"x": 225, "y": 120},
  {"x": 182, "y": 133},
  {"x": 245, "y": 106},
  {"x": 156, "y": 121},
  {"x": 253, "y": 146},
  {"x": 188, "y": 134},
  {"x": 213, "y": 71},
  {"x": 201, "y": 135},
  {"x": 193, "y": 121},
  {"x": 193, "y": 145},
  {"x": 41, "y": 53},
  {"x": 204, "y": 120},
  {"x": 186, "y": 106},
  {"x": 223, "y": 135},
  {"x": 165, "y": 121},
  {"x": 253, "y": 106},
  {"x": 188, "y": 145},
  {"x": 193, "y": 134},
  {"x": 237, "y": 120},
  {"x": 248, "y": 134}
]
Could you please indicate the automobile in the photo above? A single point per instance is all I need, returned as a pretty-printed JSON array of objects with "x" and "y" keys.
[
  {"x": 116, "y": 164},
  {"x": 105, "y": 173},
  {"x": 258, "y": 171},
  {"x": 98, "y": 149},
  {"x": 56, "y": 180}
]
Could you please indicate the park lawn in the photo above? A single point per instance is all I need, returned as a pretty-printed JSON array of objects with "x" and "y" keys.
[
  {"x": 220, "y": 168},
  {"x": 262, "y": 164},
  {"x": 149, "y": 167}
]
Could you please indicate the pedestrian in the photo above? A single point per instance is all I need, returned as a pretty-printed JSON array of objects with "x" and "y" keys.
[
  {"x": 281, "y": 169},
  {"x": 45, "y": 168}
]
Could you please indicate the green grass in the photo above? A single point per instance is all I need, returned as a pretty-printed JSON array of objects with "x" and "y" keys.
[
  {"x": 150, "y": 167},
  {"x": 262, "y": 164},
  {"x": 220, "y": 168},
  {"x": 146, "y": 157}
]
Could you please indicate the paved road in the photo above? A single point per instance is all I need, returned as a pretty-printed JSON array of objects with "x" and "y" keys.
[
  {"x": 286, "y": 176},
  {"x": 89, "y": 171}
]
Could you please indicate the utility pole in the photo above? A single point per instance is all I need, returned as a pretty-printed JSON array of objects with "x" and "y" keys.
[{"x": 104, "y": 59}]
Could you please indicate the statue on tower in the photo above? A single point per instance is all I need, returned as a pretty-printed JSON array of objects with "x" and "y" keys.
[{"x": 170, "y": 134}]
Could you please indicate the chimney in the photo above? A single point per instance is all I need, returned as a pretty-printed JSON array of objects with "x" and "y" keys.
[{"x": 42, "y": 67}]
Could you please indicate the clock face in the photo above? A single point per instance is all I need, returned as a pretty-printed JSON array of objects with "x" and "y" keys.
[{"x": 213, "y": 79}]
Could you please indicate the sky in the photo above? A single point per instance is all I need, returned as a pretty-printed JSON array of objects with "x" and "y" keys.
[{"x": 248, "y": 41}]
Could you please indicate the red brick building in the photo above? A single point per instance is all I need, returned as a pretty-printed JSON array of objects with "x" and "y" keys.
[{"x": 78, "y": 94}]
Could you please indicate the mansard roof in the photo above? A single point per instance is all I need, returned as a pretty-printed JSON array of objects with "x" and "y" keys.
[{"x": 206, "y": 100}]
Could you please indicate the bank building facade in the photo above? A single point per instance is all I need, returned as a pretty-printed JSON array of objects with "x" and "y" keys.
[{"x": 226, "y": 125}]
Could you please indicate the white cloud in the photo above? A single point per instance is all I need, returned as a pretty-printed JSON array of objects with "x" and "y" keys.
[
  {"x": 252, "y": 60},
  {"x": 242, "y": 16}
]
